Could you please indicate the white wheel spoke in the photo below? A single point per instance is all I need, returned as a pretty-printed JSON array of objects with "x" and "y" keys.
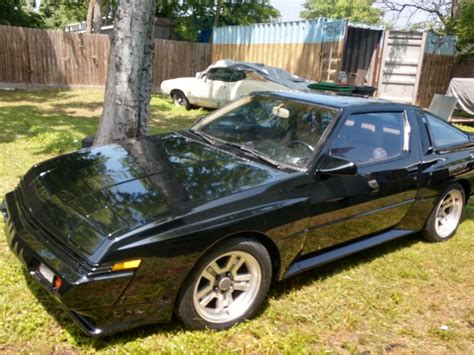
[
  {"x": 241, "y": 286},
  {"x": 230, "y": 263},
  {"x": 206, "y": 290},
  {"x": 228, "y": 300},
  {"x": 237, "y": 266},
  {"x": 220, "y": 302},
  {"x": 448, "y": 201},
  {"x": 205, "y": 301},
  {"x": 242, "y": 277},
  {"x": 206, "y": 274},
  {"x": 215, "y": 268}
]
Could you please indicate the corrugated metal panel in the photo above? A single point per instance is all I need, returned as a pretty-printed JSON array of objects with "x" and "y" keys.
[
  {"x": 361, "y": 44},
  {"x": 441, "y": 45},
  {"x": 322, "y": 30},
  {"x": 401, "y": 61}
]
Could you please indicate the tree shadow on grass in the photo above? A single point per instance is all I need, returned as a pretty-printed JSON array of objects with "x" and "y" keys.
[
  {"x": 174, "y": 327},
  {"x": 57, "y": 132},
  {"x": 71, "y": 105},
  {"x": 39, "y": 96}
]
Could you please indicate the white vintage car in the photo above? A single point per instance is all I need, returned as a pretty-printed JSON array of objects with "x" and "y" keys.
[{"x": 228, "y": 80}]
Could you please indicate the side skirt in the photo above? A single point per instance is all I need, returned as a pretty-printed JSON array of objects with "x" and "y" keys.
[{"x": 326, "y": 257}]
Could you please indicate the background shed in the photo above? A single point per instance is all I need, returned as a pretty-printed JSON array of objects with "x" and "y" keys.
[
  {"x": 312, "y": 49},
  {"x": 407, "y": 67},
  {"x": 415, "y": 66}
]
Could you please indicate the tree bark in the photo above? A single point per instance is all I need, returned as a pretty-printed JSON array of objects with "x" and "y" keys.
[
  {"x": 94, "y": 16},
  {"x": 456, "y": 8},
  {"x": 129, "y": 74},
  {"x": 218, "y": 13}
]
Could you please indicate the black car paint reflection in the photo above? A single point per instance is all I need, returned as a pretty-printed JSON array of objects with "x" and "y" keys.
[{"x": 168, "y": 199}]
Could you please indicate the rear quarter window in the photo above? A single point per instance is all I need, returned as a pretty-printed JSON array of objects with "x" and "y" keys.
[{"x": 443, "y": 134}]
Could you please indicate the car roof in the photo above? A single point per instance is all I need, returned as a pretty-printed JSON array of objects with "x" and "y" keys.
[{"x": 332, "y": 100}]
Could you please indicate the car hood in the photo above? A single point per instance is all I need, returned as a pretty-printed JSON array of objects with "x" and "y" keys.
[{"x": 92, "y": 194}]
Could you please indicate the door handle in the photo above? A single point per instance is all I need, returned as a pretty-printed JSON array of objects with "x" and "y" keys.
[
  {"x": 413, "y": 169},
  {"x": 427, "y": 163}
]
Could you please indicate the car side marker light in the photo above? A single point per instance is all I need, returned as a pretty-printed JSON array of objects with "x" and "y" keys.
[{"x": 124, "y": 265}]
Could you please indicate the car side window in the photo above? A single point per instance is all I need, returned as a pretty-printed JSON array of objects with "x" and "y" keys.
[
  {"x": 225, "y": 74},
  {"x": 443, "y": 134},
  {"x": 238, "y": 75},
  {"x": 372, "y": 137}
]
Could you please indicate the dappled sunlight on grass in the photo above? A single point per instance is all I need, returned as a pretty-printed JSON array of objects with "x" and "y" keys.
[{"x": 393, "y": 298}]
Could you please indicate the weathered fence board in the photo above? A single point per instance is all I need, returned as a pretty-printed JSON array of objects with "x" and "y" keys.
[
  {"x": 434, "y": 78},
  {"x": 463, "y": 68},
  {"x": 35, "y": 59}
]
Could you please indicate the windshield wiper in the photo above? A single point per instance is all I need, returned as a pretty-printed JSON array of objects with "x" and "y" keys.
[
  {"x": 254, "y": 153},
  {"x": 203, "y": 136}
]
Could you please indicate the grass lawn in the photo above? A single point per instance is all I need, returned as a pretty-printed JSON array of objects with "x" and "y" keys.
[{"x": 406, "y": 296}]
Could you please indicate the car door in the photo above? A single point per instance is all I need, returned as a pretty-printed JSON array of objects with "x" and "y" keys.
[{"x": 342, "y": 208}]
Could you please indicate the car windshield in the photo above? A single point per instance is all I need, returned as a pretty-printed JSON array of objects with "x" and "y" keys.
[{"x": 273, "y": 128}]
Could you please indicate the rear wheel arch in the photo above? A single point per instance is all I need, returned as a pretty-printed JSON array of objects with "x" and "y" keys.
[{"x": 466, "y": 186}]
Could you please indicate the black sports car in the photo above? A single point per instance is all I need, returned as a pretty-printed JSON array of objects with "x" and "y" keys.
[{"x": 199, "y": 222}]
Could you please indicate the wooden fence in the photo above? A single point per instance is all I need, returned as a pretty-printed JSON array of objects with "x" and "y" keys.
[
  {"x": 463, "y": 68},
  {"x": 36, "y": 59},
  {"x": 436, "y": 73},
  {"x": 434, "y": 77}
]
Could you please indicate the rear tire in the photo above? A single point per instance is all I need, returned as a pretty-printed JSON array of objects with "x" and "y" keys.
[
  {"x": 447, "y": 214},
  {"x": 180, "y": 99},
  {"x": 227, "y": 286}
]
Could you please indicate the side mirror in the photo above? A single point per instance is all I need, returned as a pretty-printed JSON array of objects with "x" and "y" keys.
[{"x": 336, "y": 166}]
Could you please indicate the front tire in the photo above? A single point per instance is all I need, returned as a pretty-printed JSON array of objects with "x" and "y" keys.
[
  {"x": 228, "y": 285},
  {"x": 446, "y": 216}
]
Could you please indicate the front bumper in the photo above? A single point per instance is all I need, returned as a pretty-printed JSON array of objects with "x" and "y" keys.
[{"x": 89, "y": 299}]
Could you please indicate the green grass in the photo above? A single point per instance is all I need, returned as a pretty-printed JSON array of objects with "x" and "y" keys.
[{"x": 393, "y": 298}]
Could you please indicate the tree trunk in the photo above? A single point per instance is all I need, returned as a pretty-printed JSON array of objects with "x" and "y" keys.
[
  {"x": 456, "y": 8},
  {"x": 94, "y": 16},
  {"x": 129, "y": 73},
  {"x": 218, "y": 13}
]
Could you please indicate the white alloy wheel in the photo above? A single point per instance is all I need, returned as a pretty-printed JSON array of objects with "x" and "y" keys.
[{"x": 227, "y": 287}]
